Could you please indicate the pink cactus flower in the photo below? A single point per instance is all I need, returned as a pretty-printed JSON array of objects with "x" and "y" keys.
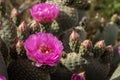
[
  {"x": 2, "y": 77},
  {"x": 119, "y": 50},
  {"x": 43, "y": 49},
  {"x": 78, "y": 76},
  {"x": 44, "y": 12}
]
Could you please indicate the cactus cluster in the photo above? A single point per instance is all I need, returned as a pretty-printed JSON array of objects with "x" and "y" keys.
[
  {"x": 91, "y": 59},
  {"x": 53, "y": 43}
]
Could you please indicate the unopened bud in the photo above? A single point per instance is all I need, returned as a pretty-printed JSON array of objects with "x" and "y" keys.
[
  {"x": 119, "y": 17},
  {"x": 22, "y": 27},
  {"x": 97, "y": 16},
  {"x": 109, "y": 48},
  {"x": 115, "y": 15},
  {"x": 80, "y": 76},
  {"x": 14, "y": 12},
  {"x": 19, "y": 44},
  {"x": 100, "y": 44},
  {"x": 89, "y": 1},
  {"x": 102, "y": 20},
  {"x": 33, "y": 25},
  {"x": 74, "y": 36},
  {"x": 87, "y": 44}
]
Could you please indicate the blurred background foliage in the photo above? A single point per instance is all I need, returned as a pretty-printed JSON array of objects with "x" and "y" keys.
[{"x": 105, "y": 8}]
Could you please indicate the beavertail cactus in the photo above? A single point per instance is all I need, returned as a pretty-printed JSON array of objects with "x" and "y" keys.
[
  {"x": 43, "y": 56},
  {"x": 110, "y": 33},
  {"x": 21, "y": 69},
  {"x": 75, "y": 34},
  {"x": 68, "y": 16},
  {"x": 83, "y": 61},
  {"x": 8, "y": 30}
]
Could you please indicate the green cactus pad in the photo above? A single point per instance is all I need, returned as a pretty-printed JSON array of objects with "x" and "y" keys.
[{"x": 22, "y": 69}]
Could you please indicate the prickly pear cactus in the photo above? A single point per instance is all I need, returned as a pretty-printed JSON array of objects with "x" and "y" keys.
[
  {"x": 22, "y": 69},
  {"x": 110, "y": 33},
  {"x": 8, "y": 29},
  {"x": 80, "y": 4},
  {"x": 61, "y": 73},
  {"x": 68, "y": 16},
  {"x": 85, "y": 60},
  {"x": 116, "y": 74},
  {"x": 76, "y": 32},
  {"x": 76, "y": 63}
]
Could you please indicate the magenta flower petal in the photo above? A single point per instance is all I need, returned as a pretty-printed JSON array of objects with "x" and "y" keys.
[
  {"x": 44, "y": 12},
  {"x": 43, "y": 49},
  {"x": 119, "y": 50},
  {"x": 77, "y": 77},
  {"x": 2, "y": 77}
]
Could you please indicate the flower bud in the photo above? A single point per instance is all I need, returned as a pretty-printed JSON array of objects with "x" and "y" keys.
[
  {"x": 19, "y": 44},
  {"x": 33, "y": 25},
  {"x": 74, "y": 36},
  {"x": 80, "y": 76},
  {"x": 14, "y": 12},
  {"x": 87, "y": 44},
  {"x": 102, "y": 20},
  {"x": 100, "y": 44},
  {"x": 109, "y": 48},
  {"x": 22, "y": 27}
]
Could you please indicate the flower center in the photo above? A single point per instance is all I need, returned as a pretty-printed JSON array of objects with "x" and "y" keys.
[{"x": 45, "y": 49}]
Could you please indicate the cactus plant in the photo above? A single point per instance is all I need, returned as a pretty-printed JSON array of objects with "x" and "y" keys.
[
  {"x": 110, "y": 33},
  {"x": 85, "y": 60},
  {"x": 68, "y": 16},
  {"x": 116, "y": 75},
  {"x": 64, "y": 37},
  {"x": 8, "y": 31},
  {"x": 22, "y": 69}
]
